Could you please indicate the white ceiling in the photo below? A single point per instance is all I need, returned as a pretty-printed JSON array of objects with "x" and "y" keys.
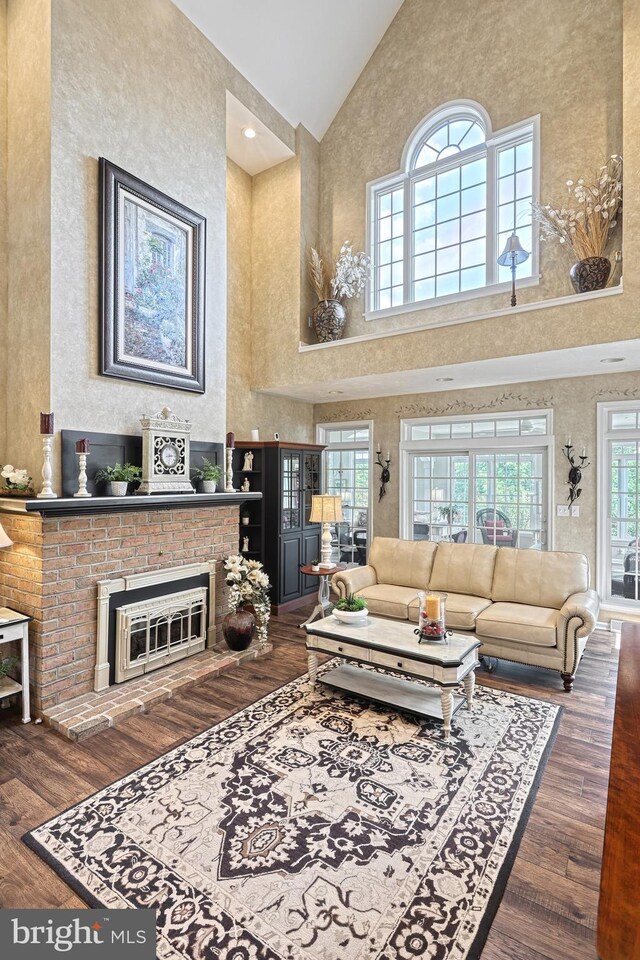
[
  {"x": 254, "y": 156},
  {"x": 553, "y": 365},
  {"x": 303, "y": 56}
]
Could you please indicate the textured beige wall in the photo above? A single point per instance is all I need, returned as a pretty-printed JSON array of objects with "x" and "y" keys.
[
  {"x": 3, "y": 229},
  {"x": 139, "y": 85},
  {"x": 308, "y": 153},
  {"x": 573, "y": 402},
  {"x": 514, "y": 59},
  {"x": 28, "y": 221},
  {"x": 245, "y": 409}
]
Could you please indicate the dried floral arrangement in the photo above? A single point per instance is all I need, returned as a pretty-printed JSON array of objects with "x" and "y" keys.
[
  {"x": 350, "y": 274},
  {"x": 585, "y": 224},
  {"x": 248, "y": 583},
  {"x": 16, "y": 479}
]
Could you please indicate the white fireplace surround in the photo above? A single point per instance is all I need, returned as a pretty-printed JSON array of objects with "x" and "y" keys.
[{"x": 137, "y": 581}]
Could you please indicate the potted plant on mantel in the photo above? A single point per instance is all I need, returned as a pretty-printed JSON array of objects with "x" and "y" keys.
[
  {"x": 586, "y": 224},
  {"x": 209, "y": 475},
  {"x": 17, "y": 482},
  {"x": 119, "y": 477},
  {"x": 350, "y": 276}
]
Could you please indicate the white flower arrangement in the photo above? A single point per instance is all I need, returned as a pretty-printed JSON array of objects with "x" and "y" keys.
[
  {"x": 248, "y": 583},
  {"x": 586, "y": 224},
  {"x": 351, "y": 274},
  {"x": 15, "y": 478}
]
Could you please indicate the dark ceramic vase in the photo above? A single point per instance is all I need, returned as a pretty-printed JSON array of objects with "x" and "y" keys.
[
  {"x": 329, "y": 318},
  {"x": 591, "y": 273},
  {"x": 239, "y": 628}
]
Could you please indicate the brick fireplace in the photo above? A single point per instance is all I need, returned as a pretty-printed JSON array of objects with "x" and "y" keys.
[{"x": 61, "y": 553}]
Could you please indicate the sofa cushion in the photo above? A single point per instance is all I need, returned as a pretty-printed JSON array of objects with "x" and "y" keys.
[
  {"x": 539, "y": 578},
  {"x": 406, "y": 563},
  {"x": 388, "y": 600},
  {"x": 520, "y": 623},
  {"x": 464, "y": 568},
  {"x": 461, "y": 611}
]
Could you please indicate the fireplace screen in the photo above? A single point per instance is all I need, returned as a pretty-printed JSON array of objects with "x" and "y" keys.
[{"x": 155, "y": 632}]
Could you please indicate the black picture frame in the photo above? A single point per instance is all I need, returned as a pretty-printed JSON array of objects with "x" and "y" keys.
[{"x": 117, "y": 358}]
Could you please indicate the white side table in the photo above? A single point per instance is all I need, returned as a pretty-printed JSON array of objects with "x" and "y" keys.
[
  {"x": 15, "y": 626},
  {"x": 324, "y": 606}
]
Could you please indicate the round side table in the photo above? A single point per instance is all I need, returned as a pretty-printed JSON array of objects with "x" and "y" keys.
[{"x": 324, "y": 606}]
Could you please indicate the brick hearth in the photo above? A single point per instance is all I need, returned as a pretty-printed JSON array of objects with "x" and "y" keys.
[{"x": 52, "y": 570}]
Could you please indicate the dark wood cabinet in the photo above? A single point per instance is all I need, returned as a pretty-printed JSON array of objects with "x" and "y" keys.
[{"x": 288, "y": 475}]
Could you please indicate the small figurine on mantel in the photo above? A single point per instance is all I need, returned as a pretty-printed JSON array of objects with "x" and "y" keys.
[
  {"x": 246, "y": 486},
  {"x": 245, "y": 545},
  {"x": 248, "y": 462}
]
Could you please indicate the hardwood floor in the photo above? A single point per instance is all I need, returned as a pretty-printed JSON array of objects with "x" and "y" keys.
[{"x": 550, "y": 905}]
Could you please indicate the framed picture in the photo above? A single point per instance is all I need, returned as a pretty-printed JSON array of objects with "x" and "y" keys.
[{"x": 152, "y": 284}]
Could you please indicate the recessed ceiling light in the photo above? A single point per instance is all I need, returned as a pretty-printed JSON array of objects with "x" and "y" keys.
[
  {"x": 444, "y": 379},
  {"x": 249, "y": 133},
  {"x": 334, "y": 393},
  {"x": 613, "y": 360}
]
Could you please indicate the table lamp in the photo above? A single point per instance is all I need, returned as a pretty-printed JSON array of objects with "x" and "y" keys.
[
  {"x": 5, "y": 540},
  {"x": 326, "y": 509},
  {"x": 513, "y": 254}
]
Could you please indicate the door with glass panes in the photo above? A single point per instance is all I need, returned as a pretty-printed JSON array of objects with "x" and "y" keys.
[{"x": 489, "y": 496}]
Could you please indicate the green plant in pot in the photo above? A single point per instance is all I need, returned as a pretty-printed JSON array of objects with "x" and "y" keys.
[
  {"x": 119, "y": 476},
  {"x": 7, "y": 665},
  {"x": 350, "y": 276},
  {"x": 350, "y": 609},
  {"x": 209, "y": 475},
  {"x": 315, "y": 565}
]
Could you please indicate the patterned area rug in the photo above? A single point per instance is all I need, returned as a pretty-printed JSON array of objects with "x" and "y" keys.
[{"x": 313, "y": 826}]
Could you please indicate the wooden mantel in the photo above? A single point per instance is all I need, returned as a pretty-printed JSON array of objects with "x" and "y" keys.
[
  {"x": 70, "y": 506},
  {"x": 619, "y": 908}
]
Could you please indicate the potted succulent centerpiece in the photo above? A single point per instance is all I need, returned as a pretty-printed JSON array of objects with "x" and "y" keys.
[
  {"x": 17, "y": 482},
  {"x": 209, "y": 475},
  {"x": 315, "y": 566},
  {"x": 586, "y": 224},
  {"x": 119, "y": 476},
  {"x": 350, "y": 276},
  {"x": 350, "y": 609}
]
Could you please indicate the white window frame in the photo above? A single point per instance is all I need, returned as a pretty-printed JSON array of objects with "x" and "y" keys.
[
  {"x": 406, "y": 177},
  {"x": 603, "y": 499},
  {"x": 475, "y": 445},
  {"x": 321, "y": 438}
]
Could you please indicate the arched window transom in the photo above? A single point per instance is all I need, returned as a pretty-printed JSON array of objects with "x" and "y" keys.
[{"x": 436, "y": 229}]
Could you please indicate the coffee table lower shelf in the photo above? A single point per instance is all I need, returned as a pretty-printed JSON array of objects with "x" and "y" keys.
[{"x": 405, "y": 694}]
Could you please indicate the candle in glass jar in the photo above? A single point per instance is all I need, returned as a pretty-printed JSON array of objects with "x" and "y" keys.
[
  {"x": 433, "y": 606},
  {"x": 231, "y": 440},
  {"x": 82, "y": 446},
  {"x": 46, "y": 424}
]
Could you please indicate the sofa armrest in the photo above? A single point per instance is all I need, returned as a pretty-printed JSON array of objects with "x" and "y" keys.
[
  {"x": 577, "y": 621},
  {"x": 352, "y": 580}
]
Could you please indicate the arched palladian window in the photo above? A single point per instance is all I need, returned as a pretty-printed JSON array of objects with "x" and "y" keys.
[{"x": 437, "y": 227}]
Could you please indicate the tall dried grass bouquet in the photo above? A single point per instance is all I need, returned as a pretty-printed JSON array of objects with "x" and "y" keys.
[
  {"x": 350, "y": 275},
  {"x": 586, "y": 223}
]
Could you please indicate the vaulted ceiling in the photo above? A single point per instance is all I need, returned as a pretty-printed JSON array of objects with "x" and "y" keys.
[{"x": 304, "y": 56}]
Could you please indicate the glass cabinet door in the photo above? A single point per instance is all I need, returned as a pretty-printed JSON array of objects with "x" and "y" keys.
[
  {"x": 290, "y": 504},
  {"x": 311, "y": 480}
]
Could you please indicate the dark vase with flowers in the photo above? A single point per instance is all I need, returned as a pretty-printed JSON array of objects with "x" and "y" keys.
[{"x": 239, "y": 628}]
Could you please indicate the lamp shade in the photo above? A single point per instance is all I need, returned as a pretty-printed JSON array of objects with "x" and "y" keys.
[
  {"x": 5, "y": 541},
  {"x": 326, "y": 509},
  {"x": 513, "y": 252}
]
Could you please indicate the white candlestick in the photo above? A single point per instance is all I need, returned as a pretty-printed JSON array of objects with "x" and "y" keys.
[
  {"x": 378, "y": 448},
  {"x": 584, "y": 452},
  {"x": 47, "y": 491},
  {"x": 229, "y": 472},
  {"x": 569, "y": 440},
  {"x": 388, "y": 455},
  {"x": 82, "y": 476}
]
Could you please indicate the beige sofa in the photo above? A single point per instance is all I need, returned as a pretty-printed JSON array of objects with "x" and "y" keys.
[{"x": 530, "y": 606}]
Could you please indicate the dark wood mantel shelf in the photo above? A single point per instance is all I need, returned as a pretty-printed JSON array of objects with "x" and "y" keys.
[{"x": 70, "y": 506}]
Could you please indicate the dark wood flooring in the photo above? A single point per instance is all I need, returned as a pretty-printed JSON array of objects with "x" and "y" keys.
[{"x": 550, "y": 905}]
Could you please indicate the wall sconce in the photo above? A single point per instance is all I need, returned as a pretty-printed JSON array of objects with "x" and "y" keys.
[
  {"x": 385, "y": 476},
  {"x": 513, "y": 254},
  {"x": 575, "y": 469}
]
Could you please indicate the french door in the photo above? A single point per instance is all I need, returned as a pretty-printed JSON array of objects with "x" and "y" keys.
[{"x": 496, "y": 496}]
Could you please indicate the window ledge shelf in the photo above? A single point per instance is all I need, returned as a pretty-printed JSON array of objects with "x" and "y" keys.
[{"x": 487, "y": 315}]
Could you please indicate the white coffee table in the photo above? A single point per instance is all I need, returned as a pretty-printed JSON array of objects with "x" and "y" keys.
[{"x": 392, "y": 644}]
